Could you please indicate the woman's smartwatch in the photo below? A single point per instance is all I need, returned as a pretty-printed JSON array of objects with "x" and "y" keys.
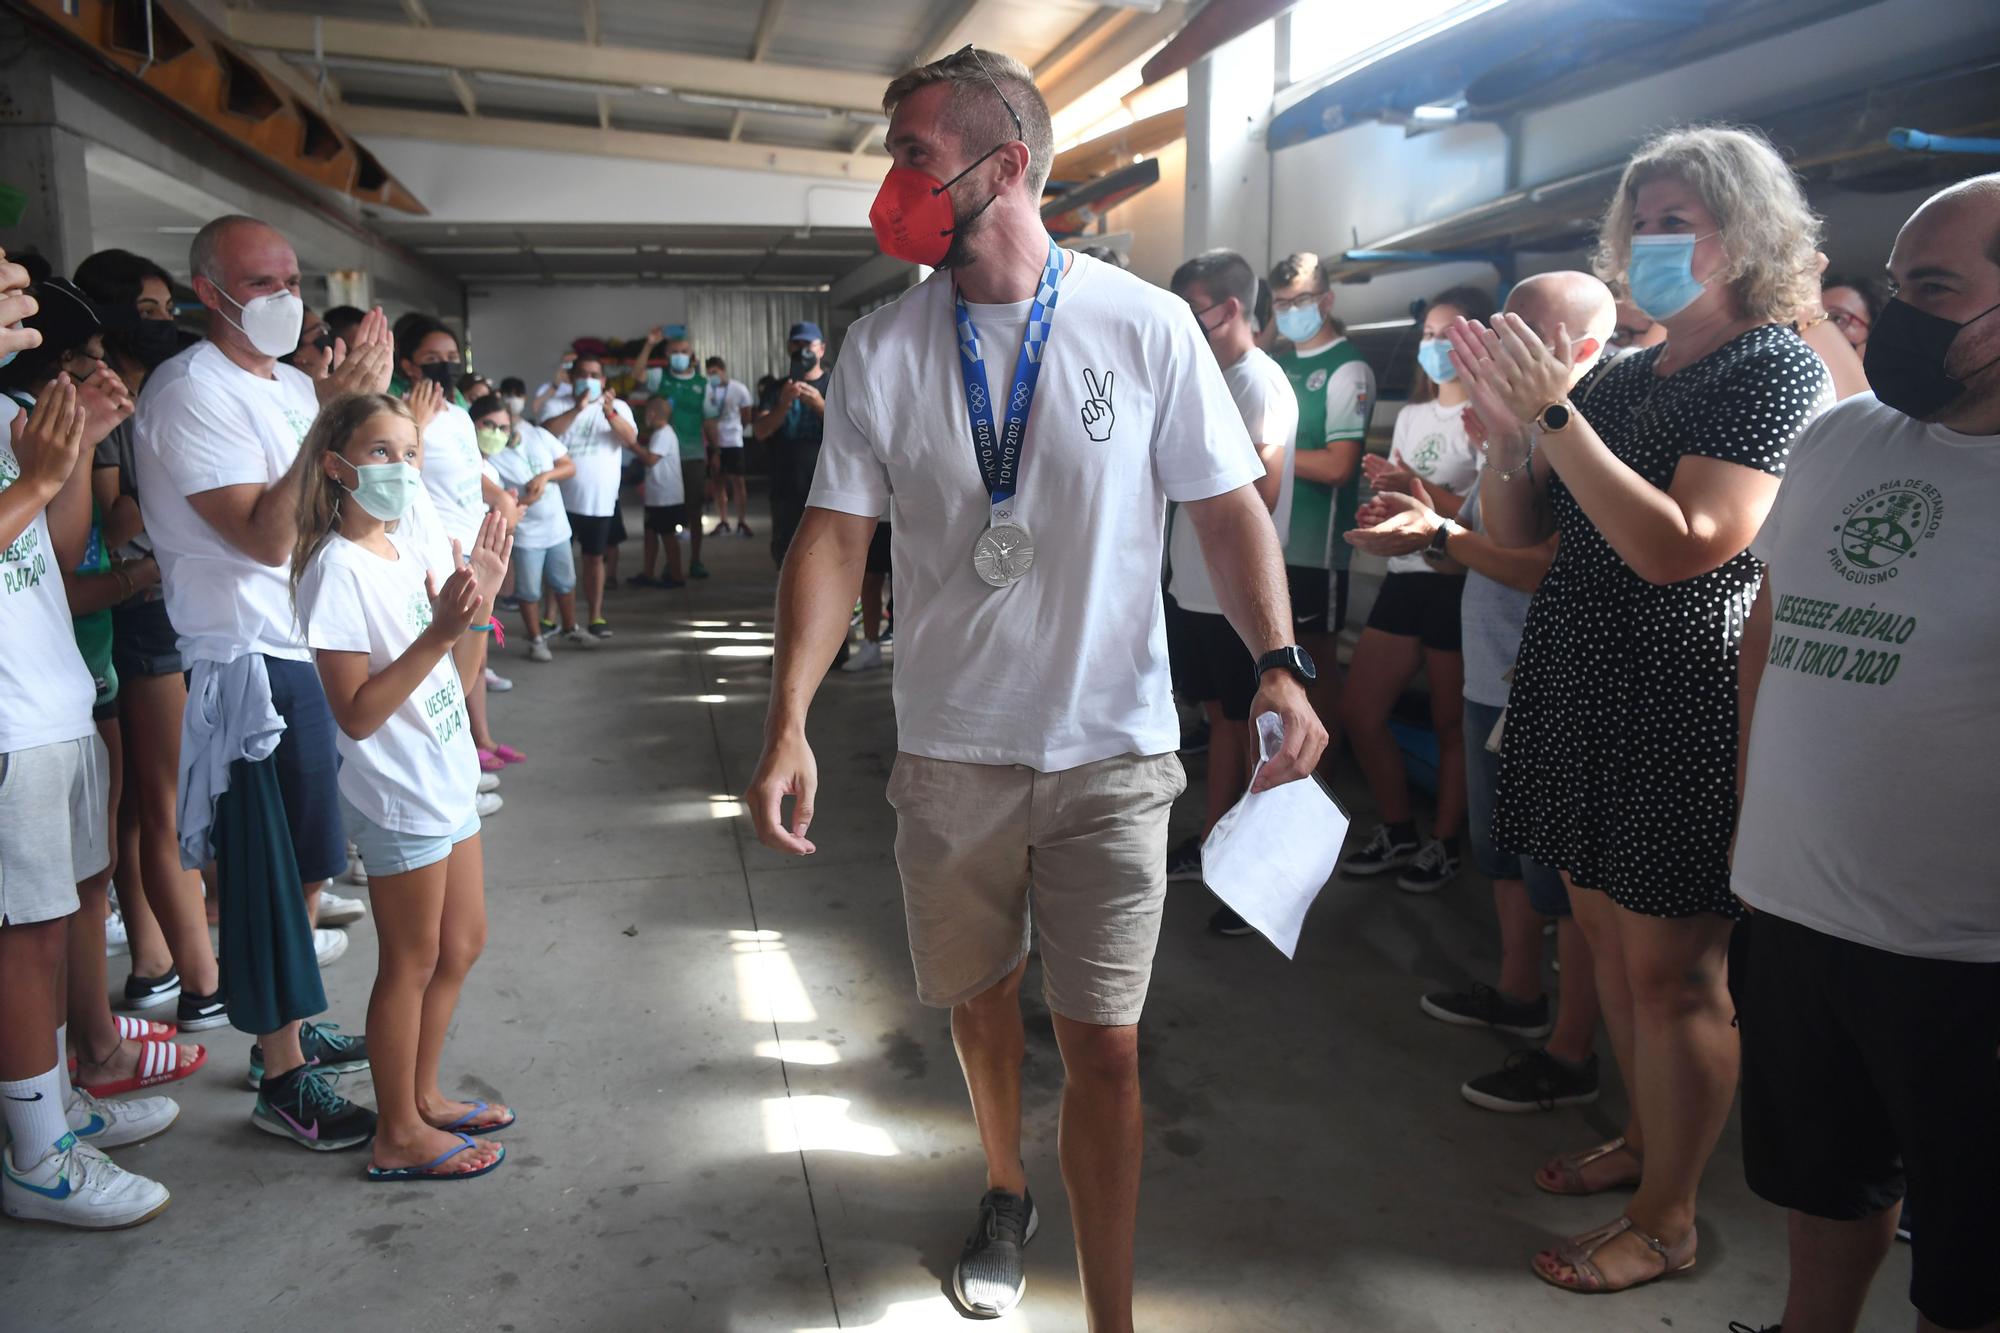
[
  {"x": 1555, "y": 417},
  {"x": 1293, "y": 659}
]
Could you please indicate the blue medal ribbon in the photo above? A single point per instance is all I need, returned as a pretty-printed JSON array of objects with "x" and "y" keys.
[{"x": 998, "y": 446}]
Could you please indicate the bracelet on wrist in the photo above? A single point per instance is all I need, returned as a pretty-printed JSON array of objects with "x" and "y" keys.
[{"x": 1509, "y": 473}]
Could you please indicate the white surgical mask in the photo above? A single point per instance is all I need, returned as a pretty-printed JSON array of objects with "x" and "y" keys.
[
  {"x": 271, "y": 322},
  {"x": 516, "y": 405}
]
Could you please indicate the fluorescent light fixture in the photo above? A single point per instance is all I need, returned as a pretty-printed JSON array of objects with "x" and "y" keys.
[
  {"x": 470, "y": 250},
  {"x": 586, "y": 249},
  {"x": 546, "y": 83},
  {"x": 868, "y": 118},
  {"x": 362, "y": 65},
  {"x": 716, "y": 252},
  {"x": 177, "y": 231},
  {"x": 761, "y": 107}
]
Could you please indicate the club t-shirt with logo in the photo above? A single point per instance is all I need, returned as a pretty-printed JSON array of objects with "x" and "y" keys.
[
  {"x": 419, "y": 771},
  {"x": 452, "y": 468},
  {"x": 1270, "y": 415},
  {"x": 1430, "y": 440},
  {"x": 725, "y": 406},
  {"x": 42, "y": 677},
  {"x": 689, "y": 395},
  {"x": 663, "y": 479},
  {"x": 1873, "y": 743},
  {"x": 204, "y": 423},
  {"x": 1069, "y": 665},
  {"x": 1335, "y": 391},
  {"x": 532, "y": 452},
  {"x": 598, "y": 452}
]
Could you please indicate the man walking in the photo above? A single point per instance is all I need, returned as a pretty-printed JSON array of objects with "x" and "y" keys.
[
  {"x": 792, "y": 419},
  {"x": 1032, "y": 411}
]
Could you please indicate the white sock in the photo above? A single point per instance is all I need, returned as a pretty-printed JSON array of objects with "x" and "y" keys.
[
  {"x": 35, "y": 1115},
  {"x": 62, "y": 1064}
]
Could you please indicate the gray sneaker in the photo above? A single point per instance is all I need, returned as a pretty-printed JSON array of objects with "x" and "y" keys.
[{"x": 990, "y": 1277}]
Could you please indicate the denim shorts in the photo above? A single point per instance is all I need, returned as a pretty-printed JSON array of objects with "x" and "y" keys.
[
  {"x": 388, "y": 852},
  {"x": 1482, "y": 779},
  {"x": 557, "y": 562}
]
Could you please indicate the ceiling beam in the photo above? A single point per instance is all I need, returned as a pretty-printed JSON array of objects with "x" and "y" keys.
[
  {"x": 760, "y": 42},
  {"x": 502, "y": 132},
  {"x": 590, "y": 36},
  {"x": 1106, "y": 49},
  {"x": 501, "y": 53},
  {"x": 952, "y": 30},
  {"x": 461, "y": 88}
]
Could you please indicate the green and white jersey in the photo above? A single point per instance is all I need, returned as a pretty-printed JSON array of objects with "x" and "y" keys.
[{"x": 1335, "y": 391}]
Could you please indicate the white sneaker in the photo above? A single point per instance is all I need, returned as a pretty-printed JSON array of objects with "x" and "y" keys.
[
  {"x": 576, "y": 638},
  {"x": 488, "y": 804},
  {"x": 78, "y": 1186},
  {"x": 329, "y": 945},
  {"x": 116, "y": 941},
  {"x": 868, "y": 657},
  {"x": 488, "y": 782},
  {"x": 496, "y": 682},
  {"x": 538, "y": 650},
  {"x": 115, "y": 1124},
  {"x": 357, "y": 874},
  {"x": 335, "y": 910}
]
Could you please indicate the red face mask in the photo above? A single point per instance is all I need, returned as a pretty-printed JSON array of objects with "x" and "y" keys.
[{"x": 912, "y": 214}]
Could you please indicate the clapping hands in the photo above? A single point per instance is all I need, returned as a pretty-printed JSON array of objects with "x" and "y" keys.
[
  {"x": 426, "y": 400},
  {"x": 365, "y": 367},
  {"x": 48, "y": 446}
]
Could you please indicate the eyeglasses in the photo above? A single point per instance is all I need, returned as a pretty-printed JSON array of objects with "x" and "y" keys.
[
  {"x": 1296, "y": 302},
  {"x": 1845, "y": 321},
  {"x": 969, "y": 50}
]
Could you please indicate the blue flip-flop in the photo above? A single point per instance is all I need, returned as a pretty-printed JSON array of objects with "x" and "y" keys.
[
  {"x": 429, "y": 1170},
  {"x": 459, "y": 1126}
]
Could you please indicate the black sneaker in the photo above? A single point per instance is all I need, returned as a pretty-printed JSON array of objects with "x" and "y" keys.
[
  {"x": 152, "y": 992},
  {"x": 599, "y": 630},
  {"x": 1184, "y": 862},
  {"x": 1433, "y": 868},
  {"x": 198, "y": 1013},
  {"x": 1381, "y": 853},
  {"x": 302, "y": 1106},
  {"x": 1484, "y": 1007},
  {"x": 325, "y": 1047},
  {"x": 1224, "y": 921},
  {"x": 1534, "y": 1081},
  {"x": 990, "y": 1276}
]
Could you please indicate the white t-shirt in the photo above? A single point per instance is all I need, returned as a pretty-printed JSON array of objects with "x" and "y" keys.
[
  {"x": 599, "y": 455},
  {"x": 543, "y": 524},
  {"x": 204, "y": 423},
  {"x": 1873, "y": 747},
  {"x": 1069, "y": 665},
  {"x": 419, "y": 772},
  {"x": 452, "y": 469},
  {"x": 47, "y": 688},
  {"x": 1430, "y": 441},
  {"x": 1271, "y": 414},
  {"x": 725, "y": 408},
  {"x": 663, "y": 479}
]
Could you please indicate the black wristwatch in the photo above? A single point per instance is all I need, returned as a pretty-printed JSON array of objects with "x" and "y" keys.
[
  {"x": 1293, "y": 659},
  {"x": 1442, "y": 534}
]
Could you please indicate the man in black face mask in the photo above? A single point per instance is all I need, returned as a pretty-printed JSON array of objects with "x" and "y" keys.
[
  {"x": 1868, "y": 982},
  {"x": 792, "y": 418}
]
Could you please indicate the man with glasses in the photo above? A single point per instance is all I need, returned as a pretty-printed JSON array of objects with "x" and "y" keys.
[{"x": 1032, "y": 411}]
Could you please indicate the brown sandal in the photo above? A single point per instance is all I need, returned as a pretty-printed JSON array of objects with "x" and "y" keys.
[
  {"x": 1579, "y": 1256},
  {"x": 1567, "y": 1170}
]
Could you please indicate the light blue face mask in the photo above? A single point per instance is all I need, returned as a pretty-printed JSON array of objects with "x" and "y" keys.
[
  {"x": 678, "y": 362},
  {"x": 1661, "y": 274},
  {"x": 1434, "y": 355},
  {"x": 588, "y": 388},
  {"x": 385, "y": 490},
  {"x": 1302, "y": 323}
]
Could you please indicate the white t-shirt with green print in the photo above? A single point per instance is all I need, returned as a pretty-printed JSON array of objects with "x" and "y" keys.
[
  {"x": 419, "y": 772},
  {"x": 1430, "y": 441},
  {"x": 42, "y": 676}
]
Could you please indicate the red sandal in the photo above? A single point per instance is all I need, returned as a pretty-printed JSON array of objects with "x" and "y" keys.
[
  {"x": 143, "y": 1029},
  {"x": 159, "y": 1062}
]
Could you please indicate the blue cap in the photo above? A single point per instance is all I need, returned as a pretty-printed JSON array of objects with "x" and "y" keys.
[
  {"x": 805, "y": 331},
  {"x": 675, "y": 332}
]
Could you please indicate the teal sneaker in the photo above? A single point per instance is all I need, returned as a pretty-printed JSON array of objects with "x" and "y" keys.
[
  {"x": 697, "y": 570},
  {"x": 326, "y": 1049}
]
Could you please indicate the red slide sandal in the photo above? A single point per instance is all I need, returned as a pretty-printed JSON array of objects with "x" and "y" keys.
[{"x": 159, "y": 1062}]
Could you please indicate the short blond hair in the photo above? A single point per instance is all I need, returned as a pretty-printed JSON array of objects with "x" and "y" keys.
[
  {"x": 976, "y": 112},
  {"x": 1769, "y": 233}
]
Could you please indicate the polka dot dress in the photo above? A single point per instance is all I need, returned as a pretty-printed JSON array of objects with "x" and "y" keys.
[{"x": 1619, "y": 757}]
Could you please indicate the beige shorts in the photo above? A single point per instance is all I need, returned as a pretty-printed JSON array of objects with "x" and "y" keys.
[
  {"x": 54, "y": 827},
  {"x": 990, "y": 851}
]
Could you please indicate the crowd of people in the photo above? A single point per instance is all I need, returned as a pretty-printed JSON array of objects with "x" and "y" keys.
[{"x": 1685, "y": 551}]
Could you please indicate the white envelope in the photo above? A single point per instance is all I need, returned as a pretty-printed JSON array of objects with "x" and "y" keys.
[{"x": 1271, "y": 854}]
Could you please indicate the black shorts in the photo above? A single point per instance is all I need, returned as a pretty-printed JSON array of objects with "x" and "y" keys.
[
  {"x": 1422, "y": 607},
  {"x": 1209, "y": 662},
  {"x": 731, "y": 461},
  {"x": 878, "y": 550},
  {"x": 143, "y": 642},
  {"x": 1864, "y": 1068},
  {"x": 1312, "y": 591},
  {"x": 666, "y": 520},
  {"x": 617, "y": 534},
  {"x": 593, "y": 532}
]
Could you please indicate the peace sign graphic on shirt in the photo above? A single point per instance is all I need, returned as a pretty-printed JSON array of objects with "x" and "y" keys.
[{"x": 1098, "y": 417}]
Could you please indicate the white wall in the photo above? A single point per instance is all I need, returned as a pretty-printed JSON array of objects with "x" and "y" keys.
[
  {"x": 474, "y": 184},
  {"x": 1157, "y": 219}
]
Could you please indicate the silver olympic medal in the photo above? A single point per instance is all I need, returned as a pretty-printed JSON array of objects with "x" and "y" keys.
[{"x": 1003, "y": 554}]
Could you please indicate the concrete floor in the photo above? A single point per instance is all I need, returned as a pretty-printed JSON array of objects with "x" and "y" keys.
[{"x": 735, "y": 1116}]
